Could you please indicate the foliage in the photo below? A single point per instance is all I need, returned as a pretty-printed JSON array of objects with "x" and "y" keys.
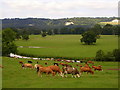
[
  {"x": 8, "y": 37},
  {"x": 50, "y": 32},
  {"x": 109, "y": 56},
  {"x": 116, "y": 54},
  {"x": 18, "y": 34},
  {"x": 88, "y": 37},
  {"x": 107, "y": 29},
  {"x": 97, "y": 29},
  {"x": 43, "y": 34},
  {"x": 25, "y": 35},
  {"x": 99, "y": 55}
]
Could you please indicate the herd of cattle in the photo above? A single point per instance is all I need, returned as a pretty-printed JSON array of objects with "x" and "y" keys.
[
  {"x": 66, "y": 68},
  {"x": 64, "y": 71}
]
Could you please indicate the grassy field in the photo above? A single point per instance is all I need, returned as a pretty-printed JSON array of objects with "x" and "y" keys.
[
  {"x": 16, "y": 77},
  {"x": 66, "y": 45},
  {"x": 112, "y": 23}
]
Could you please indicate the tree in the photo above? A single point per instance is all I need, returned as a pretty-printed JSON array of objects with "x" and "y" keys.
[
  {"x": 116, "y": 54},
  {"x": 25, "y": 35},
  {"x": 8, "y": 46},
  {"x": 88, "y": 37},
  {"x": 99, "y": 55},
  {"x": 107, "y": 29},
  {"x": 18, "y": 36},
  {"x": 97, "y": 29},
  {"x": 44, "y": 34},
  {"x": 50, "y": 32}
]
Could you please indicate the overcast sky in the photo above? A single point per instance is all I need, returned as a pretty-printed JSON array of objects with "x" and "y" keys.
[{"x": 58, "y": 8}]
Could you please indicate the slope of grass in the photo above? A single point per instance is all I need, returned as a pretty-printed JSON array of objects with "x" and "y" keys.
[
  {"x": 16, "y": 77},
  {"x": 66, "y": 45}
]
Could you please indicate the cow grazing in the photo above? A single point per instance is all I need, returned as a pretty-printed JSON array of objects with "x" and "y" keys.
[
  {"x": 86, "y": 69},
  {"x": 63, "y": 64},
  {"x": 77, "y": 65},
  {"x": 29, "y": 61},
  {"x": 87, "y": 66},
  {"x": 90, "y": 62},
  {"x": 37, "y": 65},
  {"x": 46, "y": 70},
  {"x": 56, "y": 64},
  {"x": 27, "y": 65},
  {"x": 71, "y": 70},
  {"x": 46, "y": 63},
  {"x": 99, "y": 68},
  {"x": 56, "y": 69},
  {"x": 58, "y": 59},
  {"x": 21, "y": 62}
]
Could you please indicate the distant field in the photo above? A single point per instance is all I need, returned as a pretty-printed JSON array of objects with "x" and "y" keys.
[
  {"x": 66, "y": 45},
  {"x": 113, "y": 23},
  {"x": 16, "y": 77}
]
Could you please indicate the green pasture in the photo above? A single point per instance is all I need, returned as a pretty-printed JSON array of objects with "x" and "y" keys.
[
  {"x": 16, "y": 77},
  {"x": 66, "y": 46}
]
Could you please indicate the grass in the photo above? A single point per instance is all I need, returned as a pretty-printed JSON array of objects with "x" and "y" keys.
[
  {"x": 66, "y": 46},
  {"x": 112, "y": 23},
  {"x": 16, "y": 77}
]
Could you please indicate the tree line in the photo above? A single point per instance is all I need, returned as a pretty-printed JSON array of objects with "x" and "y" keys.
[
  {"x": 109, "y": 56},
  {"x": 107, "y": 29}
]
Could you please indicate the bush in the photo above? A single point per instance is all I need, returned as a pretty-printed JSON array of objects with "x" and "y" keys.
[{"x": 109, "y": 56}]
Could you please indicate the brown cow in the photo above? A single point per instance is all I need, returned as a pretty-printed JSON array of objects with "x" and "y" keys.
[
  {"x": 71, "y": 70},
  {"x": 90, "y": 62},
  {"x": 99, "y": 68},
  {"x": 21, "y": 62},
  {"x": 27, "y": 65},
  {"x": 63, "y": 64},
  {"x": 58, "y": 59},
  {"x": 56, "y": 69},
  {"x": 46, "y": 70},
  {"x": 78, "y": 65},
  {"x": 87, "y": 66},
  {"x": 86, "y": 69},
  {"x": 37, "y": 65}
]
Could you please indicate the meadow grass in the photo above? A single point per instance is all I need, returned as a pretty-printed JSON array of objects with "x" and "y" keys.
[
  {"x": 66, "y": 45},
  {"x": 16, "y": 77},
  {"x": 112, "y": 23}
]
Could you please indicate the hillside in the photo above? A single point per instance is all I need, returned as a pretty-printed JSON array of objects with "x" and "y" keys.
[{"x": 42, "y": 23}]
